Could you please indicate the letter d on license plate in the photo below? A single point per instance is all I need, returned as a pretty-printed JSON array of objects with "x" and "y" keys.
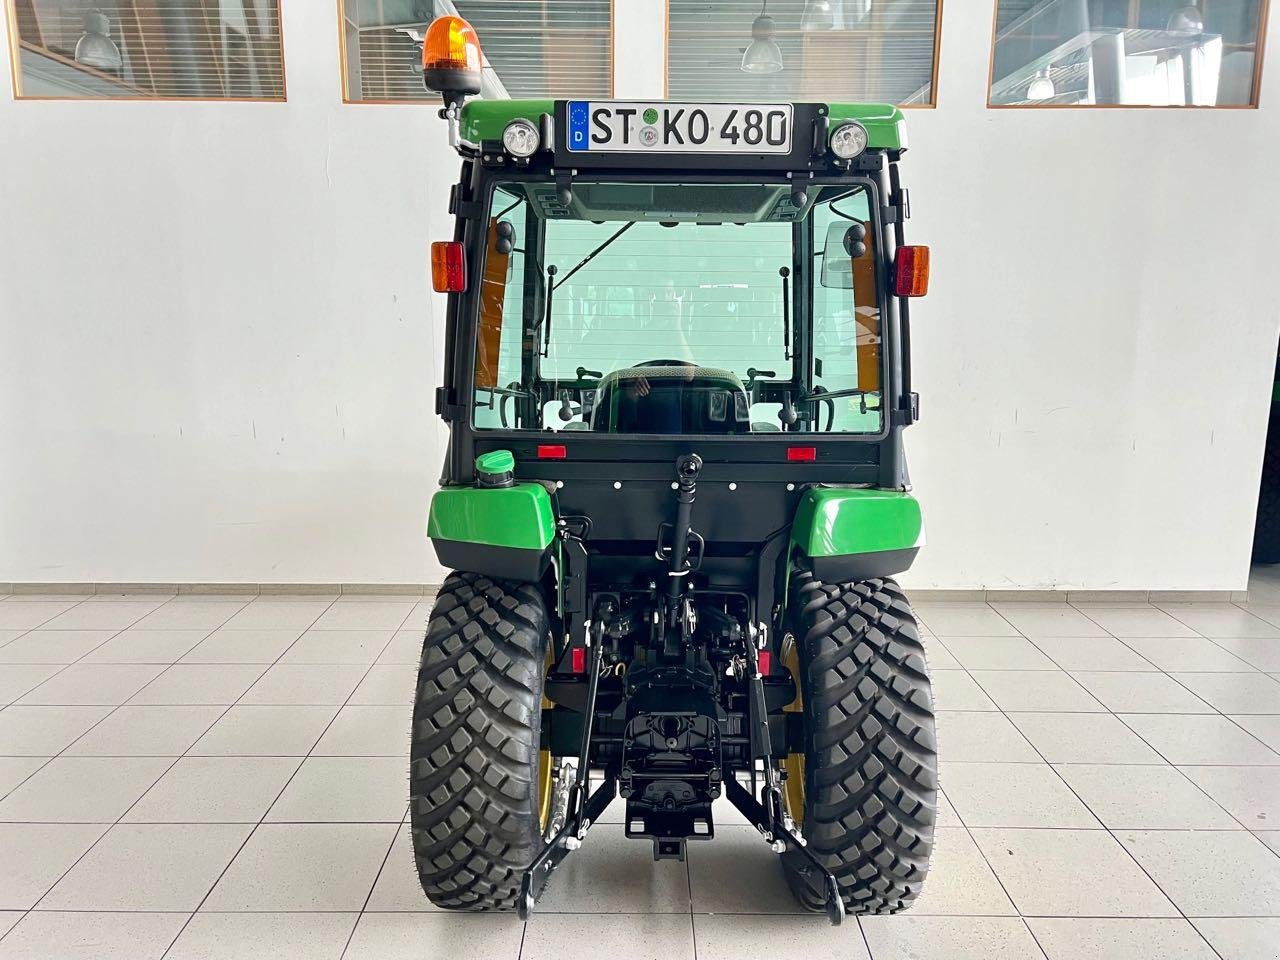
[{"x": 613, "y": 126}]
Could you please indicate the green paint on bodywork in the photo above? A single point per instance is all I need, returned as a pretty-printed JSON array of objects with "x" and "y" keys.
[
  {"x": 486, "y": 119},
  {"x": 886, "y": 126},
  {"x": 839, "y": 521},
  {"x": 520, "y": 517}
]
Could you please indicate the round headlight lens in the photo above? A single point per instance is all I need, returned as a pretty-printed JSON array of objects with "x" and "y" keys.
[
  {"x": 521, "y": 139},
  {"x": 849, "y": 140}
]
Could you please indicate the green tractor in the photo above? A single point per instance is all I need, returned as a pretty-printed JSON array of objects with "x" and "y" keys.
[{"x": 677, "y": 375}]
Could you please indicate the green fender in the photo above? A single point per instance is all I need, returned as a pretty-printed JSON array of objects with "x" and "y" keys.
[
  {"x": 504, "y": 532},
  {"x": 857, "y": 533}
]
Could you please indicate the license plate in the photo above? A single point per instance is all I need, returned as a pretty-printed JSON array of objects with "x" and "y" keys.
[{"x": 612, "y": 126}]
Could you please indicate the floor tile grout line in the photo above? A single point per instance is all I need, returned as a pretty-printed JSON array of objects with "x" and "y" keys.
[
  {"x": 990, "y": 866},
  {"x": 114, "y": 824},
  {"x": 148, "y": 789},
  {"x": 1215, "y": 711},
  {"x": 802, "y": 915},
  {"x": 1199, "y": 633},
  {"x": 309, "y": 755},
  {"x": 254, "y": 828},
  {"x": 1177, "y": 767},
  {"x": 77, "y": 739},
  {"x": 369, "y": 896},
  {"x": 1092, "y": 813},
  {"x": 692, "y": 914},
  {"x": 1032, "y": 934},
  {"x": 862, "y": 930},
  {"x": 43, "y": 622},
  {"x": 1109, "y": 831},
  {"x": 1060, "y": 668}
]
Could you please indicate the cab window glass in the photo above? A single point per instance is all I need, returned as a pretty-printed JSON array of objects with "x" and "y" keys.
[{"x": 619, "y": 320}]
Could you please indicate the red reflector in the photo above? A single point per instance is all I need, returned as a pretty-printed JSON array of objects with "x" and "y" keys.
[
  {"x": 911, "y": 272},
  {"x": 448, "y": 267},
  {"x": 765, "y": 659},
  {"x": 578, "y": 659},
  {"x": 552, "y": 451},
  {"x": 802, "y": 454}
]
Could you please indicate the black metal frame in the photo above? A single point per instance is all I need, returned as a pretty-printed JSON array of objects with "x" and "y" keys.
[
  {"x": 747, "y": 494},
  {"x": 627, "y": 453}
]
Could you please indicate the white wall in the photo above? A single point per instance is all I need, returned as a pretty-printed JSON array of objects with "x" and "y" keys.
[{"x": 182, "y": 399}]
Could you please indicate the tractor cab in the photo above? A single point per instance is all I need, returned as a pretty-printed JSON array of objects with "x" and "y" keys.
[{"x": 677, "y": 375}]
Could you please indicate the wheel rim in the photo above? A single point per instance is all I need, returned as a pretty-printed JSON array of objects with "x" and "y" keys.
[
  {"x": 793, "y": 795},
  {"x": 545, "y": 762},
  {"x": 544, "y": 788}
]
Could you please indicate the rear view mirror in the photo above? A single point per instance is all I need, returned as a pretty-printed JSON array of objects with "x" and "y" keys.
[
  {"x": 845, "y": 242},
  {"x": 853, "y": 241},
  {"x": 505, "y": 240}
]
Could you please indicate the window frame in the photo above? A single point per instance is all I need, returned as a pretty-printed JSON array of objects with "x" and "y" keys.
[
  {"x": 344, "y": 72},
  {"x": 802, "y": 279},
  {"x": 17, "y": 45},
  {"x": 933, "y": 70},
  {"x": 1259, "y": 60}
]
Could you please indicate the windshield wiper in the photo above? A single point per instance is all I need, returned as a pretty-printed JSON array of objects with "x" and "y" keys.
[
  {"x": 553, "y": 284},
  {"x": 592, "y": 255}
]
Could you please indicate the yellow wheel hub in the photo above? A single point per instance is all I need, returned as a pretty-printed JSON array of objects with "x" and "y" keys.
[
  {"x": 544, "y": 788},
  {"x": 793, "y": 795},
  {"x": 545, "y": 763}
]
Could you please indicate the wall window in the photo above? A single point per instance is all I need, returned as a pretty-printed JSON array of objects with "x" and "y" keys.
[
  {"x": 532, "y": 48},
  {"x": 841, "y": 50},
  {"x": 147, "y": 49},
  {"x": 1149, "y": 53}
]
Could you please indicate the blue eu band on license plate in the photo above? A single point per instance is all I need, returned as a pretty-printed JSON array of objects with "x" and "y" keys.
[{"x": 613, "y": 126}]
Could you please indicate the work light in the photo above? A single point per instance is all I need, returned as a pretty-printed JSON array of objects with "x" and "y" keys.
[
  {"x": 849, "y": 140},
  {"x": 521, "y": 138}
]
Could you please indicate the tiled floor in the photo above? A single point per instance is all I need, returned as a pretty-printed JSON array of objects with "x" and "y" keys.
[{"x": 225, "y": 778}]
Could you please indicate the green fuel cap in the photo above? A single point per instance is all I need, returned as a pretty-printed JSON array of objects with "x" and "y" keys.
[{"x": 496, "y": 469}]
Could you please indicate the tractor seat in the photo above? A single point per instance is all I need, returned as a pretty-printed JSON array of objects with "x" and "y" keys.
[{"x": 671, "y": 397}]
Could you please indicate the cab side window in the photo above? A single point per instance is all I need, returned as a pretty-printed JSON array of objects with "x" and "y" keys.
[{"x": 846, "y": 314}]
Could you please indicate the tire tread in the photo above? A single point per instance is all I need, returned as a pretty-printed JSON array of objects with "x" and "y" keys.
[
  {"x": 870, "y": 744},
  {"x": 474, "y": 752}
]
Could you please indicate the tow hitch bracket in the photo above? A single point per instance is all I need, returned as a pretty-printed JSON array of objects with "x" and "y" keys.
[
  {"x": 769, "y": 818},
  {"x": 584, "y": 809}
]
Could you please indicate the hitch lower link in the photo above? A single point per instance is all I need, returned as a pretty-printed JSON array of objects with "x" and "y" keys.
[
  {"x": 584, "y": 808},
  {"x": 770, "y": 817}
]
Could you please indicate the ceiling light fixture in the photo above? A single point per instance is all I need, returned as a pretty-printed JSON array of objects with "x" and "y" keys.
[
  {"x": 819, "y": 15},
  {"x": 1042, "y": 88},
  {"x": 95, "y": 48},
  {"x": 763, "y": 55},
  {"x": 1188, "y": 20}
]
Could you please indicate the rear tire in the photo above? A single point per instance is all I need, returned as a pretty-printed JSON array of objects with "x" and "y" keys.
[
  {"x": 477, "y": 716},
  {"x": 870, "y": 759}
]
